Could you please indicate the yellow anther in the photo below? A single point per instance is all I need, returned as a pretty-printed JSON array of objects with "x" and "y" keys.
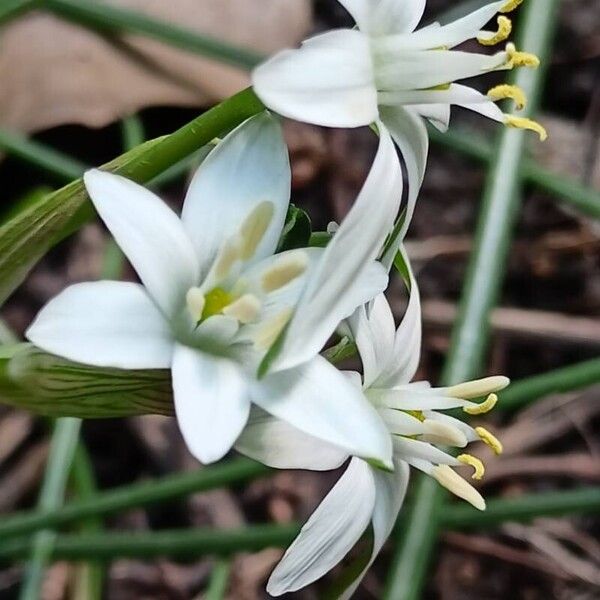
[
  {"x": 484, "y": 407},
  {"x": 215, "y": 301},
  {"x": 510, "y": 6},
  {"x": 245, "y": 309},
  {"x": 269, "y": 331},
  {"x": 284, "y": 270},
  {"x": 492, "y": 38},
  {"x": 453, "y": 482},
  {"x": 489, "y": 439},
  {"x": 473, "y": 461},
  {"x": 195, "y": 302},
  {"x": 254, "y": 227},
  {"x": 514, "y": 92},
  {"x": 478, "y": 387},
  {"x": 227, "y": 256},
  {"x": 524, "y": 123},
  {"x": 520, "y": 59}
]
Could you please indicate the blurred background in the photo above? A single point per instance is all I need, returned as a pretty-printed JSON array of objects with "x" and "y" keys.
[{"x": 91, "y": 93}]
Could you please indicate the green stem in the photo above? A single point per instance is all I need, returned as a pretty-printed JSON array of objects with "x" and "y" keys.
[
  {"x": 133, "y": 496},
  {"x": 523, "y": 508},
  {"x": 88, "y": 583},
  {"x": 61, "y": 166},
  {"x": 567, "y": 379},
  {"x": 187, "y": 543},
  {"x": 485, "y": 275},
  {"x": 564, "y": 189},
  {"x": 113, "y": 19},
  {"x": 62, "y": 450},
  {"x": 13, "y": 8},
  {"x": 219, "y": 578}
]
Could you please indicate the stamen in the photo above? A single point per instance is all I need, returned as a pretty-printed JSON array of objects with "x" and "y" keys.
[
  {"x": 254, "y": 227},
  {"x": 215, "y": 301},
  {"x": 525, "y": 123},
  {"x": 437, "y": 432},
  {"x": 244, "y": 309},
  {"x": 489, "y": 439},
  {"x": 284, "y": 270},
  {"x": 484, "y": 407},
  {"x": 268, "y": 333},
  {"x": 478, "y": 387},
  {"x": 514, "y": 92},
  {"x": 453, "y": 482},
  {"x": 510, "y": 6},
  {"x": 195, "y": 302},
  {"x": 521, "y": 59},
  {"x": 227, "y": 256},
  {"x": 473, "y": 461},
  {"x": 491, "y": 38}
]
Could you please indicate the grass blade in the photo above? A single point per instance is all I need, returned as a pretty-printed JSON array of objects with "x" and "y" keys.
[
  {"x": 484, "y": 278},
  {"x": 114, "y": 19}
]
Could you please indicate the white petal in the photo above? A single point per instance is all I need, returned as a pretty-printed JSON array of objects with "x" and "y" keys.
[
  {"x": 212, "y": 403},
  {"x": 337, "y": 286},
  {"x": 106, "y": 324},
  {"x": 390, "y": 491},
  {"x": 410, "y": 134},
  {"x": 437, "y": 114},
  {"x": 374, "y": 333},
  {"x": 249, "y": 167},
  {"x": 330, "y": 533},
  {"x": 328, "y": 81},
  {"x": 409, "y": 449},
  {"x": 382, "y": 17},
  {"x": 150, "y": 234},
  {"x": 280, "y": 445},
  {"x": 319, "y": 400}
]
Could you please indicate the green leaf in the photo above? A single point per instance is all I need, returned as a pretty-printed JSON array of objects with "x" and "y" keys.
[
  {"x": 47, "y": 385},
  {"x": 296, "y": 231}
]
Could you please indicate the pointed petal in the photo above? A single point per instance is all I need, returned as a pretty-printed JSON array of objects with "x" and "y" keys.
[
  {"x": 250, "y": 166},
  {"x": 373, "y": 333},
  {"x": 410, "y": 134},
  {"x": 332, "y": 530},
  {"x": 280, "y": 445},
  {"x": 211, "y": 402},
  {"x": 106, "y": 324},
  {"x": 328, "y": 81},
  {"x": 337, "y": 282},
  {"x": 390, "y": 491},
  {"x": 383, "y": 17},
  {"x": 149, "y": 233},
  {"x": 319, "y": 400}
]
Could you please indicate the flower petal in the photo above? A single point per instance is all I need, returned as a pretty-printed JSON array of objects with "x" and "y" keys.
[
  {"x": 319, "y": 400},
  {"x": 280, "y": 445},
  {"x": 149, "y": 233},
  {"x": 328, "y": 81},
  {"x": 212, "y": 403},
  {"x": 390, "y": 491},
  {"x": 332, "y": 530},
  {"x": 383, "y": 17},
  {"x": 410, "y": 134},
  {"x": 106, "y": 324},
  {"x": 345, "y": 276},
  {"x": 249, "y": 167}
]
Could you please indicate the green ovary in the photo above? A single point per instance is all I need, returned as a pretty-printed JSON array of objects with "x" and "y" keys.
[{"x": 215, "y": 301}]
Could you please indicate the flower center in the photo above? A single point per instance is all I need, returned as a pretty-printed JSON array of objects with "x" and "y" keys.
[{"x": 214, "y": 302}]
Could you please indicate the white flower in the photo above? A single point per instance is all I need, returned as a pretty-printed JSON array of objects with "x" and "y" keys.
[
  {"x": 365, "y": 495},
  {"x": 385, "y": 70},
  {"x": 215, "y": 297}
]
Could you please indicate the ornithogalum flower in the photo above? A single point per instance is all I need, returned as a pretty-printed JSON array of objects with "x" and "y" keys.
[
  {"x": 412, "y": 412},
  {"x": 215, "y": 297},
  {"x": 386, "y": 70}
]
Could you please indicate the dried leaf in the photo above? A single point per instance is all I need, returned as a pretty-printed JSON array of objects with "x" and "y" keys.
[{"x": 54, "y": 72}]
